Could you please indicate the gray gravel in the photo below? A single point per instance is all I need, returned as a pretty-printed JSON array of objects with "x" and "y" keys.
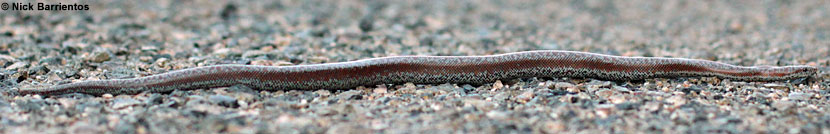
[{"x": 126, "y": 39}]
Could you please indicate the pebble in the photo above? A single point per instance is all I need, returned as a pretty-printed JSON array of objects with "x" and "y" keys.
[
  {"x": 6, "y": 58},
  {"x": 161, "y": 62},
  {"x": 154, "y": 99},
  {"x": 605, "y": 93},
  {"x": 149, "y": 48},
  {"x": 604, "y": 110},
  {"x": 554, "y": 127},
  {"x": 563, "y": 85},
  {"x": 65, "y": 102},
  {"x": 498, "y": 115},
  {"x": 37, "y": 96},
  {"x": 225, "y": 101},
  {"x": 800, "y": 96},
  {"x": 783, "y": 105},
  {"x": 619, "y": 98},
  {"x": 380, "y": 90},
  {"x": 99, "y": 56},
  {"x": 120, "y": 103},
  {"x": 690, "y": 90},
  {"x": 773, "y": 85},
  {"x": 525, "y": 96},
  {"x": 573, "y": 90},
  {"x": 145, "y": 58},
  {"x": 40, "y": 70},
  {"x": 621, "y": 89},
  {"x": 653, "y": 106},
  {"x": 497, "y": 85},
  {"x": 262, "y": 62},
  {"x": 17, "y": 65},
  {"x": 51, "y": 61},
  {"x": 323, "y": 92},
  {"x": 107, "y": 96},
  {"x": 253, "y": 54},
  {"x": 350, "y": 95},
  {"x": 627, "y": 106},
  {"x": 222, "y": 53},
  {"x": 677, "y": 100}
]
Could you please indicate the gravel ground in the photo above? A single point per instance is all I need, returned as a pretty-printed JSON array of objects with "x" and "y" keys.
[{"x": 125, "y": 39}]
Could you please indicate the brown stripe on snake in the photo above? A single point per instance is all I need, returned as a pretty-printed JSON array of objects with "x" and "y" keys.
[{"x": 429, "y": 70}]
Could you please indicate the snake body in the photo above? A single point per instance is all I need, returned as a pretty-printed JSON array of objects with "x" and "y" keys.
[{"x": 429, "y": 70}]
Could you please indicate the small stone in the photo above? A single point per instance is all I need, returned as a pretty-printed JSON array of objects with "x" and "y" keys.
[
  {"x": 592, "y": 89},
  {"x": 161, "y": 61},
  {"x": 222, "y": 53},
  {"x": 569, "y": 98},
  {"x": 573, "y": 90},
  {"x": 409, "y": 86},
  {"x": 736, "y": 26},
  {"x": 690, "y": 90},
  {"x": 677, "y": 100},
  {"x": 497, "y": 85},
  {"x": 525, "y": 96},
  {"x": 648, "y": 86},
  {"x": 563, "y": 85},
  {"x": 195, "y": 100},
  {"x": 51, "y": 61},
  {"x": 498, "y": 115},
  {"x": 120, "y": 103},
  {"x": 717, "y": 97},
  {"x": 37, "y": 96},
  {"x": 380, "y": 89},
  {"x": 283, "y": 63},
  {"x": 323, "y": 92},
  {"x": 773, "y": 85},
  {"x": 6, "y": 58},
  {"x": 366, "y": 24},
  {"x": 154, "y": 99},
  {"x": 621, "y": 89},
  {"x": 584, "y": 96},
  {"x": 225, "y": 101},
  {"x": 82, "y": 127},
  {"x": 40, "y": 70},
  {"x": 350, "y": 95},
  {"x": 605, "y": 93},
  {"x": 65, "y": 102},
  {"x": 653, "y": 106},
  {"x": 107, "y": 96},
  {"x": 145, "y": 58},
  {"x": 98, "y": 56},
  {"x": 604, "y": 110},
  {"x": 666, "y": 89},
  {"x": 617, "y": 99},
  {"x": 468, "y": 87},
  {"x": 149, "y": 48},
  {"x": 800, "y": 96},
  {"x": 627, "y": 106},
  {"x": 318, "y": 59},
  {"x": 783, "y": 105},
  {"x": 599, "y": 83},
  {"x": 262, "y": 62},
  {"x": 17, "y": 65},
  {"x": 253, "y": 54},
  {"x": 773, "y": 96},
  {"x": 554, "y": 127}
]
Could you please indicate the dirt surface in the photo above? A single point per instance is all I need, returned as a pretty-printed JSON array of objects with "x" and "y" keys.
[{"x": 127, "y": 39}]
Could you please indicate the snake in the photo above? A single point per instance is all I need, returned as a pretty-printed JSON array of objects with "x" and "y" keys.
[{"x": 428, "y": 70}]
